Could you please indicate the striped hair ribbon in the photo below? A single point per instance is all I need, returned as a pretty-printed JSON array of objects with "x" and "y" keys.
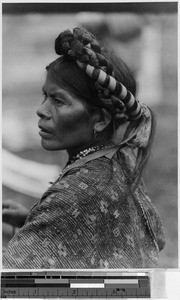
[
  {"x": 133, "y": 106},
  {"x": 83, "y": 47}
]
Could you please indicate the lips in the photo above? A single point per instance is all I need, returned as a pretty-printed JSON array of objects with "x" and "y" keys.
[
  {"x": 44, "y": 131},
  {"x": 44, "y": 128}
]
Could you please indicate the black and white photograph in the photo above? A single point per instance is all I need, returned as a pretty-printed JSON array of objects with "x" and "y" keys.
[{"x": 89, "y": 136}]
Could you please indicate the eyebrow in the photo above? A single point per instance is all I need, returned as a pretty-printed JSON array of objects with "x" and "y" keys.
[{"x": 53, "y": 94}]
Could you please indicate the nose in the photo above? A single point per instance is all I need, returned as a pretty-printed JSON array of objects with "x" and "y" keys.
[{"x": 43, "y": 111}]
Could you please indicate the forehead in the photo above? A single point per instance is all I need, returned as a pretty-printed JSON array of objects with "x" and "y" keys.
[
  {"x": 51, "y": 85},
  {"x": 53, "y": 88}
]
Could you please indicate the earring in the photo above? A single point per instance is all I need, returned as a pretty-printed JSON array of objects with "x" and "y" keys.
[{"x": 95, "y": 134}]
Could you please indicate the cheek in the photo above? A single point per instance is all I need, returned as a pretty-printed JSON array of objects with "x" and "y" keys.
[{"x": 73, "y": 121}]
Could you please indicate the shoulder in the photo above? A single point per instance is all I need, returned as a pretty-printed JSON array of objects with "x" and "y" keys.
[
  {"x": 92, "y": 172},
  {"x": 97, "y": 179},
  {"x": 93, "y": 179}
]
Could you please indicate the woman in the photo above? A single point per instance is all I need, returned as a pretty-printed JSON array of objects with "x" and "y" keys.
[{"x": 96, "y": 214}]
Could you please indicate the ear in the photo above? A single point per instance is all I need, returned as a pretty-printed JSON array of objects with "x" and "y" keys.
[{"x": 103, "y": 120}]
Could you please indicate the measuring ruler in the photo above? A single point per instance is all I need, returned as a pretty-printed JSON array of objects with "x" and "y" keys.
[{"x": 75, "y": 285}]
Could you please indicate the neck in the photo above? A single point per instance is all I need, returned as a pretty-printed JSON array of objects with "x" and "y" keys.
[{"x": 75, "y": 151}]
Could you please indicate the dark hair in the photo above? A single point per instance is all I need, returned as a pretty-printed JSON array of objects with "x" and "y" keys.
[
  {"x": 66, "y": 73},
  {"x": 143, "y": 154}
]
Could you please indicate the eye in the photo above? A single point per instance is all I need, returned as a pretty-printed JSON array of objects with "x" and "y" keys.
[{"x": 58, "y": 102}]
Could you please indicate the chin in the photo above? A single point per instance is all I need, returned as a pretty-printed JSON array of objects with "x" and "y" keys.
[{"x": 50, "y": 146}]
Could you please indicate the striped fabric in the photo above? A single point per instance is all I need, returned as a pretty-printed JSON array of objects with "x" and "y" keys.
[{"x": 133, "y": 107}]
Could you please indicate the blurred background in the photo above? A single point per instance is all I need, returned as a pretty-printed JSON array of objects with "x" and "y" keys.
[{"x": 144, "y": 35}]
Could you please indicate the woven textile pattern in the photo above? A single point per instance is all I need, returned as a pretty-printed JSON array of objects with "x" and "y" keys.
[{"x": 90, "y": 219}]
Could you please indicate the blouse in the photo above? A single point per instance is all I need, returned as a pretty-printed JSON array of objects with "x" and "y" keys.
[{"x": 90, "y": 218}]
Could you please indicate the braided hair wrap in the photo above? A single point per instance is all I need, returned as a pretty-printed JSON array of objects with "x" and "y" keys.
[{"x": 82, "y": 47}]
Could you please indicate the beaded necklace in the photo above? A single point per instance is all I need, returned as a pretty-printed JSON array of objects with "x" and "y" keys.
[{"x": 86, "y": 152}]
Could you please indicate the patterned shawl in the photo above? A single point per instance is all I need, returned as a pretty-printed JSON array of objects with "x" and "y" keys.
[{"x": 90, "y": 218}]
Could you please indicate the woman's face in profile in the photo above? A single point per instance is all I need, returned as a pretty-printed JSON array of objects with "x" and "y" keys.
[{"x": 64, "y": 120}]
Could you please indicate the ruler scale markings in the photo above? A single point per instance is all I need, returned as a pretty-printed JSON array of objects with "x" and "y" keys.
[
  {"x": 85, "y": 292},
  {"x": 77, "y": 284}
]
